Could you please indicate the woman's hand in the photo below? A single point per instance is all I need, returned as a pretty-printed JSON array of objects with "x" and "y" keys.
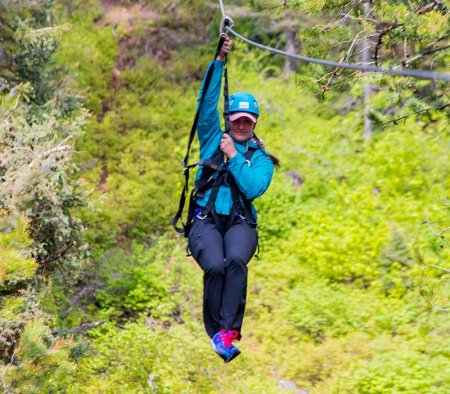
[
  {"x": 226, "y": 47},
  {"x": 227, "y": 146}
]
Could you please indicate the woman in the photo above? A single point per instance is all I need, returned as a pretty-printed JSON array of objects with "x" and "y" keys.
[{"x": 223, "y": 235}]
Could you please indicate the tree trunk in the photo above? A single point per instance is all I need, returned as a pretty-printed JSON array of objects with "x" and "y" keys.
[
  {"x": 366, "y": 59},
  {"x": 292, "y": 46},
  {"x": 69, "y": 5}
]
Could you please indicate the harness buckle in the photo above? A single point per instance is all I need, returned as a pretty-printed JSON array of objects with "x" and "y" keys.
[{"x": 198, "y": 213}]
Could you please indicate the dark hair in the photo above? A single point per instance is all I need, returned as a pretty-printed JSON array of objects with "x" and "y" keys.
[{"x": 259, "y": 142}]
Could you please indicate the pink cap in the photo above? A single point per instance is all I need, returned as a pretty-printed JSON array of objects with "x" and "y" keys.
[{"x": 237, "y": 115}]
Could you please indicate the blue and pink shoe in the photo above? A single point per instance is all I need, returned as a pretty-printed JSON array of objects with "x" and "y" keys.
[{"x": 222, "y": 344}]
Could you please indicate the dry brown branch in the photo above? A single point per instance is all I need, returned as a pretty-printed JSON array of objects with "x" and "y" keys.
[
  {"x": 344, "y": 17},
  {"x": 87, "y": 326},
  {"x": 59, "y": 148},
  {"x": 382, "y": 33},
  {"x": 61, "y": 252},
  {"x": 349, "y": 52},
  {"x": 427, "y": 51}
]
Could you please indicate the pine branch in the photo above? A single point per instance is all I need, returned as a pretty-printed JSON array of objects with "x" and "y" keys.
[
  {"x": 336, "y": 71},
  {"x": 426, "y": 52},
  {"x": 379, "y": 43},
  {"x": 343, "y": 19},
  {"x": 395, "y": 121},
  {"x": 429, "y": 7}
]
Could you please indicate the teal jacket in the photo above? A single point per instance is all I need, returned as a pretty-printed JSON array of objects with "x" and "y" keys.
[{"x": 252, "y": 180}]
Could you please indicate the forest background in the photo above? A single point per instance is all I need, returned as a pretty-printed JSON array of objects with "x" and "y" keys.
[{"x": 350, "y": 292}]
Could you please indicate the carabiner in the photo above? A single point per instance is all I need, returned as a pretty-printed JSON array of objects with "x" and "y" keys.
[{"x": 225, "y": 22}]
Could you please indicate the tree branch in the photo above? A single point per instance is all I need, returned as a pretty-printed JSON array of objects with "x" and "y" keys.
[
  {"x": 374, "y": 21},
  {"x": 430, "y": 226},
  {"x": 87, "y": 326},
  {"x": 395, "y": 121},
  {"x": 335, "y": 72},
  {"x": 380, "y": 39},
  {"x": 429, "y": 7},
  {"x": 56, "y": 256},
  {"x": 422, "y": 291},
  {"x": 424, "y": 53},
  {"x": 344, "y": 17},
  {"x": 439, "y": 268},
  {"x": 59, "y": 148},
  {"x": 427, "y": 51}
]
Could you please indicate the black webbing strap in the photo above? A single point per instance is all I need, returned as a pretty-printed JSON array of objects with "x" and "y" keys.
[
  {"x": 184, "y": 191},
  {"x": 237, "y": 205},
  {"x": 205, "y": 89},
  {"x": 212, "y": 198},
  {"x": 226, "y": 110},
  {"x": 247, "y": 203}
]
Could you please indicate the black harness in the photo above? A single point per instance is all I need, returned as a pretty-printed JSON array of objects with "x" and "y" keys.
[{"x": 215, "y": 175}]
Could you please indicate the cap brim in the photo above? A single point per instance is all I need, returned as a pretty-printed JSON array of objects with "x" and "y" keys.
[{"x": 236, "y": 115}]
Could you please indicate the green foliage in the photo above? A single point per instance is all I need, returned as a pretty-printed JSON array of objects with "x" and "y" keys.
[
  {"x": 38, "y": 121},
  {"x": 14, "y": 266},
  {"x": 32, "y": 358},
  {"x": 40, "y": 361},
  {"x": 36, "y": 172},
  {"x": 16, "y": 271},
  {"x": 386, "y": 375},
  {"x": 335, "y": 284},
  {"x": 89, "y": 55},
  {"x": 345, "y": 297},
  {"x": 136, "y": 283}
]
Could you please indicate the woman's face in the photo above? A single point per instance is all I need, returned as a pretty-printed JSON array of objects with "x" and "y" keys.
[{"x": 241, "y": 129}]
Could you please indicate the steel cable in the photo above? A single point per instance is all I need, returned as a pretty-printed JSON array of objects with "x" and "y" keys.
[{"x": 417, "y": 73}]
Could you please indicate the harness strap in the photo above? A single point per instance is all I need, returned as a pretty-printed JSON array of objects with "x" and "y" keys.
[
  {"x": 190, "y": 215},
  {"x": 184, "y": 191},
  {"x": 235, "y": 196},
  {"x": 202, "y": 97},
  {"x": 210, "y": 168},
  {"x": 226, "y": 106}
]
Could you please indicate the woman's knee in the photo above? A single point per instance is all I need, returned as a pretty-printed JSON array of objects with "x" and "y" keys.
[
  {"x": 236, "y": 261},
  {"x": 213, "y": 267}
]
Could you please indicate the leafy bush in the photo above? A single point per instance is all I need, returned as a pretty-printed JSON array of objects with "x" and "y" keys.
[{"x": 339, "y": 300}]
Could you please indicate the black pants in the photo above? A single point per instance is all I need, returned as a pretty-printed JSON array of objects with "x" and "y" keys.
[{"x": 223, "y": 255}]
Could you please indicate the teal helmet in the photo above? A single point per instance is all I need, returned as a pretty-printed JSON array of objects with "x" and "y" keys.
[{"x": 244, "y": 102}]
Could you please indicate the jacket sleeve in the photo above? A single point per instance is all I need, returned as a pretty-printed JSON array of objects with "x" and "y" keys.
[
  {"x": 252, "y": 180},
  {"x": 209, "y": 120}
]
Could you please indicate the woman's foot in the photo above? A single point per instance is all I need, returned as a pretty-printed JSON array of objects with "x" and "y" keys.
[{"x": 222, "y": 344}]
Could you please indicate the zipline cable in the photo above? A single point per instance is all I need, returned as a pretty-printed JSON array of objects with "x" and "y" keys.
[
  {"x": 423, "y": 74},
  {"x": 222, "y": 8}
]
